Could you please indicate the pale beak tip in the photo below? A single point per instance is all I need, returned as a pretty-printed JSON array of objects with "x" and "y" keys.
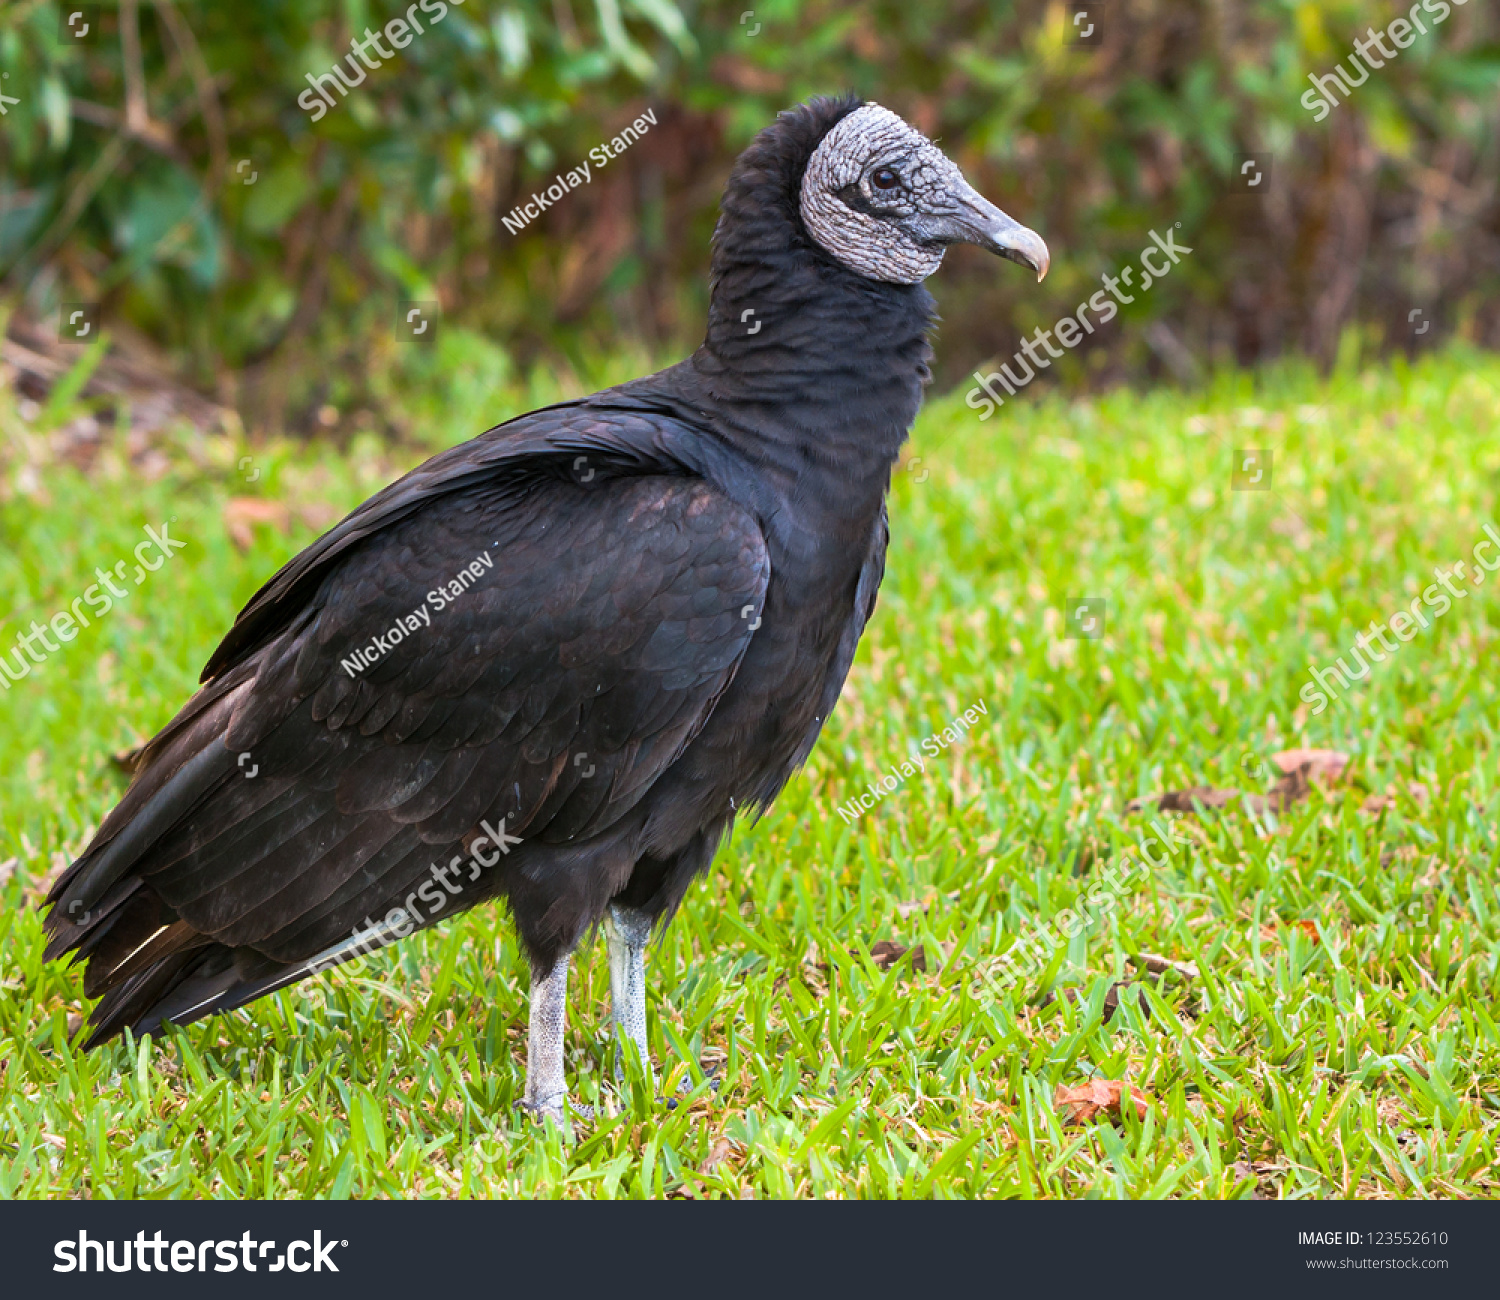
[
  {"x": 1022, "y": 245},
  {"x": 1043, "y": 259}
]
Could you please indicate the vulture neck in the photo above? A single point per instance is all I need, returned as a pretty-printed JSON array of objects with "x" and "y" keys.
[
  {"x": 836, "y": 368},
  {"x": 809, "y": 373},
  {"x": 807, "y": 366}
]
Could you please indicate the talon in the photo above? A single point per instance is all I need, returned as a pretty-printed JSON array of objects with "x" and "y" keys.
[
  {"x": 549, "y": 1108},
  {"x": 556, "y": 1108}
]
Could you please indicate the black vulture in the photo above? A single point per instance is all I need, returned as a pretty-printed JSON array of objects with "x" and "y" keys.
[{"x": 553, "y": 664}]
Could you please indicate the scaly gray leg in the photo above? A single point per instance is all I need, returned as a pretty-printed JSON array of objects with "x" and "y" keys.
[
  {"x": 628, "y": 932},
  {"x": 546, "y": 1087}
]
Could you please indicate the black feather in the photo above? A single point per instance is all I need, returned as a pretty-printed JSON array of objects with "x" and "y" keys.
[{"x": 650, "y": 649}]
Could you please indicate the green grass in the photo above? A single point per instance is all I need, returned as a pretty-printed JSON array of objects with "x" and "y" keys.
[{"x": 1339, "y": 1039}]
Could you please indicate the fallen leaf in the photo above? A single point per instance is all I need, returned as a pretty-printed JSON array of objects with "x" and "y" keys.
[
  {"x": 1159, "y": 965},
  {"x": 242, "y": 513},
  {"x": 1098, "y": 1096},
  {"x": 1244, "y": 1172},
  {"x": 1380, "y": 802},
  {"x": 1300, "y": 770},
  {"x": 1291, "y": 787},
  {"x": 813, "y": 979},
  {"x": 885, "y": 953},
  {"x": 1274, "y": 933},
  {"x": 722, "y": 1150},
  {"x": 1183, "y": 800},
  {"x": 1325, "y": 766}
]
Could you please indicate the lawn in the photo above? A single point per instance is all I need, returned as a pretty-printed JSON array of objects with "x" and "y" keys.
[{"x": 1313, "y": 995}]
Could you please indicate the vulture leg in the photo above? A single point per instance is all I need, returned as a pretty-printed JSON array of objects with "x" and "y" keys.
[
  {"x": 627, "y": 932},
  {"x": 546, "y": 1088}
]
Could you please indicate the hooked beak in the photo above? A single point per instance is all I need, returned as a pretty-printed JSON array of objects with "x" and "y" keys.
[{"x": 978, "y": 221}]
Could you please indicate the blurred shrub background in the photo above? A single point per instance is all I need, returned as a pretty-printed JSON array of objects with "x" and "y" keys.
[{"x": 166, "y": 171}]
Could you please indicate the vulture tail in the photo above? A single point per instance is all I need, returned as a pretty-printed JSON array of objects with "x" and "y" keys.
[
  {"x": 176, "y": 772},
  {"x": 178, "y": 986}
]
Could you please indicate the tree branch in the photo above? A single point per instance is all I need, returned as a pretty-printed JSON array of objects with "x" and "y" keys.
[{"x": 204, "y": 88}]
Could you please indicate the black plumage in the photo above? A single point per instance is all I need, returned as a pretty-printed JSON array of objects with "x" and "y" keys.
[{"x": 665, "y": 584}]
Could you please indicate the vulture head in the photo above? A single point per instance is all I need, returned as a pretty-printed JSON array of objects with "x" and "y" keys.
[{"x": 882, "y": 199}]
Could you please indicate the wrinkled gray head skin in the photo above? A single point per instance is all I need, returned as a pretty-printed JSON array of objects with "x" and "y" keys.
[{"x": 884, "y": 200}]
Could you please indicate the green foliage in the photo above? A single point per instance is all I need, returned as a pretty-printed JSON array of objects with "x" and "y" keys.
[
  {"x": 1339, "y": 1039},
  {"x": 231, "y": 200},
  {"x": 292, "y": 282}
]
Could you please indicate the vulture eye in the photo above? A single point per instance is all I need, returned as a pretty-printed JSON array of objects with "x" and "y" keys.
[{"x": 885, "y": 179}]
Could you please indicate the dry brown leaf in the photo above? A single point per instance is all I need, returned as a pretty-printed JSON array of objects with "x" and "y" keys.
[
  {"x": 1300, "y": 770},
  {"x": 1098, "y": 1096},
  {"x": 811, "y": 972},
  {"x": 1380, "y": 802},
  {"x": 1291, "y": 787},
  {"x": 722, "y": 1150},
  {"x": 1182, "y": 800},
  {"x": 241, "y": 514},
  {"x": 885, "y": 953},
  {"x": 1274, "y": 933},
  {"x": 1244, "y": 1172},
  {"x": 1159, "y": 965},
  {"x": 1287, "y": 791},
  {"x": 1325, "y": 766}
]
